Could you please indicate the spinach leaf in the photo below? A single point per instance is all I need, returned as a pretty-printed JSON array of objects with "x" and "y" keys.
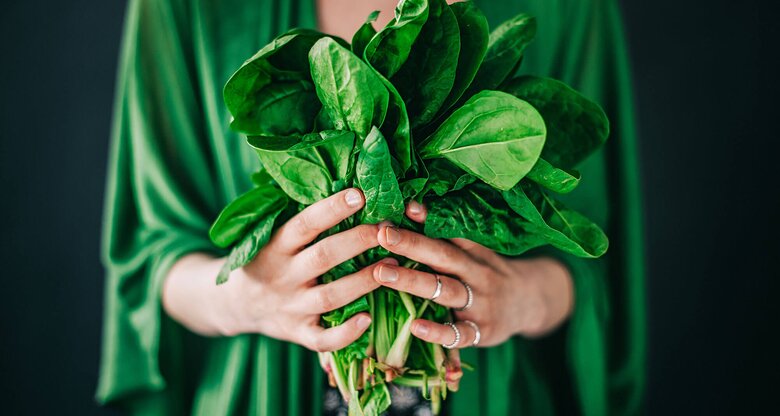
[
  {"x": 277, "y": 75},
  {"x": 375, "y": 176},
  {"x": 473, "y": 28},
  {"x": 560, "y": 226},
  {"x": 244, "y": 212},
  {"x": 389, "y": 49},
  {"x": 396, "y": 127},
  {"x": 552, "y": 178},
  {"x": 307, "y": 170},
  {"x": 283, "y": 108},
  {"x": 348, "y": 88},
  {"x": 494, "y": 136},
  {"x": 445, "y": 177},
  {"x": 262, "y": 178},
  {"x": 364, "y": 34},
  {"x": 504, "y": 54},
  {"x": 477, "y": 214},
  {"x": 246, "y": 250},
  {"x": 414, "y": 181},
  {"x": 427, "y": 76},
  {"x": 576, "y": 126}
]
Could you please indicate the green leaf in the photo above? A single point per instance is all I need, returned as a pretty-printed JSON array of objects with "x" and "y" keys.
[
  {"x": 364, "y": 34},
  {"x": 494, "y": 136},
  {"x": 445, "y": 177},
  {"x": 348, "y": 88},
  {"x": 262, "y": 178},
  {"x": 552, "y": 178},
  {"x": 396, "y": 127},
  {"x": 389, "y": 49},
  {"x": 375, "y": 399},
  {"x": 504, "y": 54},
  {"x": 562, "y": 227},
  {"x": 275, "y": 80},
  {"x": 473, "y": 28},
  {"x": 478, "y": 214},
  {"x": 244, "y": 212},
  {"x": 283, "y": 108},
  {"x": 576, "y": 126},
  {"x": 339, "y": 316},
  {"x": 375, "y": 176},
  {"x": 307, "y": 169},
  {"x": 426, "y": 78},
  {"x": 250, "y": 245}
]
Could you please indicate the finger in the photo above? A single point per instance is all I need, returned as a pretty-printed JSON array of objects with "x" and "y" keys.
[
  {"x": 422, "y": 284},
  {"x": 443, "y": 334},
  {"x": 317, "y": 218},
  {"x": 438, "y": 254},
  {"x": 319, "y": 339},
  {"x": 416, "y": 211},
  {"x": 327, "y": 297},
  {"x": 476, "y": 250},
  {"x": 334, "y": 250}
]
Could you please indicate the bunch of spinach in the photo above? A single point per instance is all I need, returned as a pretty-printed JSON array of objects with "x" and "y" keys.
[{"x": 425, "y": 109}]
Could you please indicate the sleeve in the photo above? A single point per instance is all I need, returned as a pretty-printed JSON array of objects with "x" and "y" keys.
[
  {"x": 606, "y": 335},
  {"x": 160, "y": 198}
]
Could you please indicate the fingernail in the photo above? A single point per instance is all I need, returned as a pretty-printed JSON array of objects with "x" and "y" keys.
[
  {"x": 389, "y": 260},
  {"x": 363, "y": 322},
  {"x": 386, "y": 274},
  {"x": 353, "y": 198},
  {"x": 392, "y": 235},
  {"x": 421, "y": 330},
  {"x": 384, "y": 224},
  {"x": 415, "y": 207}
]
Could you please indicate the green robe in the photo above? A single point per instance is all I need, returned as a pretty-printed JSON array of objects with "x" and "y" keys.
[{"x": 174, "y": 164}]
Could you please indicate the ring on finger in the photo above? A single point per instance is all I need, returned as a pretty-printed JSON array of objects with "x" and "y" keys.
[
  {"x": 457, "y": 336},
  {"x": 437, "y": 292},
  {"x": 469, "y": 297},
  {"x": 477, "y": 334}
]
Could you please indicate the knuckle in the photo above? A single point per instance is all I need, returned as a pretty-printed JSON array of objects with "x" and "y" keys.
[
  {"x": 319, "y": 344},
  {"x": 300, "y": 223},
  {"x": 483, "y": 270},
  {"x": 367, "y": 235},
  {"x": 324, "y": 300},
  {"x": 320, "y": 258},
  {"x": 448, "y": 254},
  {"x": 411, "y": 241},
  {"x": 336, "y": 205}
]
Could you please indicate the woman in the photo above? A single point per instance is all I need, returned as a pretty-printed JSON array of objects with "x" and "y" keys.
[{"x": 558, "y": 334}]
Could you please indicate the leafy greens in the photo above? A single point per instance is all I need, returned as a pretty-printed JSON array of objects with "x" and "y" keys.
[{"x": 427, "y": 108}]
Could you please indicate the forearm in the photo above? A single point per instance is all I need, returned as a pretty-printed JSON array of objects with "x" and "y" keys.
[
  {"x": 191, "y": 297},
  {"x": 549, "y": 295}
]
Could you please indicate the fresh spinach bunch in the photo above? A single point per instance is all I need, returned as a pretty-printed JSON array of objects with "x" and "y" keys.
[{"x": 425, "y": 109}]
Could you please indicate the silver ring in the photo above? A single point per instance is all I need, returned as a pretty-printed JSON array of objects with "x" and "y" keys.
[
  {"x": 469, "y": 300},
  {"x": 457, "y": 336},
  {"x": 437, "y": 292},
  {"x": 478, "y": 335}
]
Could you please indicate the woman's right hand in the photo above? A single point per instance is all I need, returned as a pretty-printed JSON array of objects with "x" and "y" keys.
[{"x": 277, "y": 294}]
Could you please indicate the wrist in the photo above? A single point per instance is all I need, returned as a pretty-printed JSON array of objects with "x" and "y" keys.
[
  {"x": 192, "y": 298},
  {"x": 228, "y": 305},
  {"x": 545, "y": 295}
]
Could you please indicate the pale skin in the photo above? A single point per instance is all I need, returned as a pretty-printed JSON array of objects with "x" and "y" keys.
[{"x": 278, "y": 295}]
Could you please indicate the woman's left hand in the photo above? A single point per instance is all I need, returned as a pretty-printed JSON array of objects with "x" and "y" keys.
[{"x": 529, "y": 297}]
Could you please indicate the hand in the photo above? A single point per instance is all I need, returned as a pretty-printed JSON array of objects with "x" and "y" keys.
[
  {"x": 277, "y": 293},
  {"x": 527, "y": 297}
]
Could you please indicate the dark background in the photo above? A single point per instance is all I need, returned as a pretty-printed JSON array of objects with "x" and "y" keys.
[{"x": 707, "y": 98}]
